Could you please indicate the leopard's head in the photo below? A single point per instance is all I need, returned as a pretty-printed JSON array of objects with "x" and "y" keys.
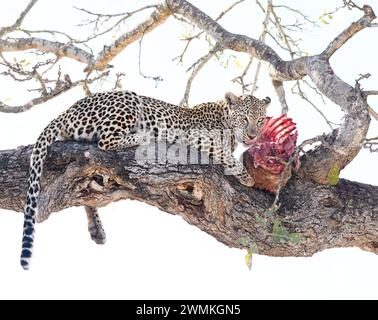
[{"x": 245, "y": 114}]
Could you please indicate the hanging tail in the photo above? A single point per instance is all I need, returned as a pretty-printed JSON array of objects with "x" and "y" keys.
[{"x": 47, "y": 137}]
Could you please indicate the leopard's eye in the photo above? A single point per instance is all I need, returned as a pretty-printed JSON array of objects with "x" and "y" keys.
[{"x": 260, "y": 122}]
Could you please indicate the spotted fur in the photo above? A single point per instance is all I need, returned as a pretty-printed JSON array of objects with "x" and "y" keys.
[{"x": 122, "y": 119}]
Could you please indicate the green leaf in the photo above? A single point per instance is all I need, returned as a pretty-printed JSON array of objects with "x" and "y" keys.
[
  {"x": 261, "y": 221},
  {"x": 237, "y": 63},
  {"x": 294, "y": 238},
  {"x": 254, "y": 248},
  {"x": 248, "y": 260},
  {"x": 280, "y": 233},
  {"x": 323, "y": 21},
  {"x": 330, "y": 16},
  {"x": 333, "y": 175},
  {"x": 277, "y": 230},
  {"x": 248, "y": 257},
  {"x": 243, "y": 240},
  {"x": 24, "y": 62}
]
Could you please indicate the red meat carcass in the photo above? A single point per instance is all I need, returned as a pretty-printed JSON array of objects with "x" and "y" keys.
[{"x": 268, "y": 159}]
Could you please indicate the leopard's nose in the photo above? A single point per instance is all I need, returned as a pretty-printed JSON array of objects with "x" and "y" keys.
[{"x": 251, "y": 131}]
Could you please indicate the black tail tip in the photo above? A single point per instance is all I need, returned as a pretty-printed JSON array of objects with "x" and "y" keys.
[
  {"x": 267, "y": 100},
  {"x": 25, "y": 264}
]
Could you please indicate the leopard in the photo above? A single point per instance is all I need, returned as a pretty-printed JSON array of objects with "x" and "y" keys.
[{"x": 115, "y": 120}]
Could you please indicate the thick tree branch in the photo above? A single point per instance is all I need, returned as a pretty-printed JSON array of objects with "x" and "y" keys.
[
  {"x": 349, "y": 32},
  {"x": 345, "y": 145},
  {"x": 60, "y": 49},
  {"x": 318, "y": 216}
]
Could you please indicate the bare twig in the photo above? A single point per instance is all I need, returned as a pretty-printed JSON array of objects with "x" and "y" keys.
[
  {"x": 117, "y": 82},
  {"x": 284, "y": 36},
  {"x": 366, "y": 93},
  {"x": 264, "y": 31},
  {"x": 113, "y": 15},
  {"x": 197, "y": 66},
  {"x": 297, "y": 89},
  {"x": 371, "y": 92},
  {"x": 157, "y": 17},
  {"x": 157, "y": 79},
  {"x": 315, "y": 89},
  {"x": 188, "y": 40},
  {"x": 19, "y": 21},
  {"x": 280, "y": 90},
  {"x": 240, "y": 79},
  {"x": 61, "y": 87},
  {"x": 371, "y": 144},
  {"x": 297, "y": 12},
  {"x": 106, "y": 17}
]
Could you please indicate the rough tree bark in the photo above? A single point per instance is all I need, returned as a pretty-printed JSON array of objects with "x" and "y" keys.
[
  {"x": 313, "y": 215},
  {"x": 321, "y": 216}
]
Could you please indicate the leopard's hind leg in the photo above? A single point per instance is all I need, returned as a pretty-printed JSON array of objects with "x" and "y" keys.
[{"x": 95, "y": 227}]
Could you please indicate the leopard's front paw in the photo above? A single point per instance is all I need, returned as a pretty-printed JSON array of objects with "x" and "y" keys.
[{"x": 246, "y": 180}]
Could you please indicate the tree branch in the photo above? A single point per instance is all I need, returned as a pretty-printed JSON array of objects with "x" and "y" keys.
[
  {"x": 280, "y": 90},
  {"x": 269, "y": 10},
  {"x": 60, "y": 49},
  {"x": 319, "y": 216},
  {"x": 371, "y": 92},
  {"x": 345, "y": 145},
  {"x": 349, "y": 32}
]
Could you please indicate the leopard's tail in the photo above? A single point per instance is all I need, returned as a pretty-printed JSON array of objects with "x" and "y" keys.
[{"x": 39, "y": 153}]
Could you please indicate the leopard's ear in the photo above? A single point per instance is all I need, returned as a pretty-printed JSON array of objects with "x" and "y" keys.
[
  {"x": 231, "y": 98},
  {"x": 267, "y": 101}
]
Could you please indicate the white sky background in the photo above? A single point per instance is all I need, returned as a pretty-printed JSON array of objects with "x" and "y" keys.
[{"x": 151, "y": 254}]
